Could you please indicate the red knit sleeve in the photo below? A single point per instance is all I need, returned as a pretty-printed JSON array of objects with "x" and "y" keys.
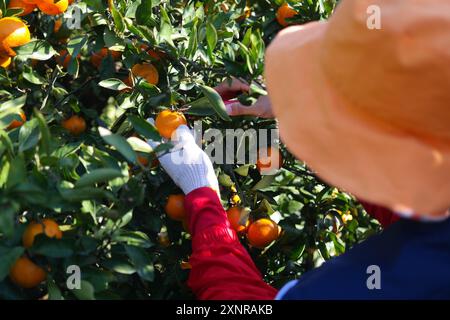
[
  {"x": 221, "y": 267},
  {"x": 385, "y": 216}
]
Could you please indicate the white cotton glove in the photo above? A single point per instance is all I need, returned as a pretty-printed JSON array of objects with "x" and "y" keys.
[{"x": 186, "y": 163}]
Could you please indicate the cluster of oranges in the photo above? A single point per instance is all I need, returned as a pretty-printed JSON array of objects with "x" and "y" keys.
[
  {"x": 260, "y": 233},
  {"x": 24, "y": 272},
  {"x": 50, "y": 7},
  {"x": 14, "y": 32}
]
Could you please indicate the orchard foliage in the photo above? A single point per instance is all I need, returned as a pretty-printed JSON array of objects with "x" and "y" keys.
[{"x": 81, "y": 157}]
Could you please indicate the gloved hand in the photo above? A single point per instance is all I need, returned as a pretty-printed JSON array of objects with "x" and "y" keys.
[{"x": 186, "y": 163}]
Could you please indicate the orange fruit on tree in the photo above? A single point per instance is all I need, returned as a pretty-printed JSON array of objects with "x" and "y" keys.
[
  {"x": 234, "y": 215},
  {"x": 57, "y": 25},
  {"x": 48, "y": 226},
  {"x": 64, "y": 58},
  {"x": 146, "y": 71},
  {"x": 97, "y": 57},
  {"x": 175, "y": 207},
  {"x": 129, "y": 82},
  {"x": 52, "y": 7},
  {"x": 163, "y": 239},
  {"x": 156, "y": 55},
  {"x": 13, "y": 33},
  {"x": 246, "y": 15},
  {"x": 270, "y": 160},
  {"x": 262, "y": 232},
  {"x": 17, "y": 123},
  {"x": 143, "y": 160},
  {"x": 167, "y": 121},
  {"x": 76, "y": 125},
  {"x": 185, "y": 265},
  {"x": 21, "y": 4},
  {"x": 5, "y": 61},
  {"x": 26, "y": 274},
  {"x": 285, "y": 12}
]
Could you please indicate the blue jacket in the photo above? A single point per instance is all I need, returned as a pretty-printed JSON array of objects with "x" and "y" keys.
[{"x": 413, "y": 259}]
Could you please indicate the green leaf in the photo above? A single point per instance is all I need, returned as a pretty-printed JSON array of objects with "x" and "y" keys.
[
  {"x": 211, "y": 38},
  {"x": 225, "y": 180},
  {"x": 17, "y": 172},
  {"x": 117, "y": 17},
  {"x": 36, "y": 49},
  {"x": 87, "y": 193},
  {"x": 144, "y": 128},
  {"x": 86, "y": 292},
  {"x": 242, "y": 170},
  {"x": 32, "y": 76},
  {"x": 97, "y": 176},
  {"x": 134, "y": 238},
  {"x": 119, "y": 265},
  {"x": 216, "y": 102},
  {"x": 53, "y": 291},
  {"x": 144, "y": 12},
  {"x": 193, "y": 40},
  {"x": 120, "y": 143},
  {"x": 142, "y": 262},
  {"x": 29, "y": 135},
  {"x": 113, "y": 84},
  {"x": 14, "y": 103},
  {"x": 45, "y": 132},
  {"x": 7, "y": 217},
  {"x": 9, "y": 257},
  {"x": 139, "y": 145},
  {"x": 200, "y": 107},
  {"x": 265, "y": 182},
  {"x": 51, "y": 247}
]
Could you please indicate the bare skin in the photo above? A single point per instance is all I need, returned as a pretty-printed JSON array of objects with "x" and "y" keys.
[{"x": 262, "y": 108}]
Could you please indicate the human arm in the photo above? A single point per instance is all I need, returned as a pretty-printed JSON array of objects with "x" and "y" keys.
[{"x": 221, "y": 267}]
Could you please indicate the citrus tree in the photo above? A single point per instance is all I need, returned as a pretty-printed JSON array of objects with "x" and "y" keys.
[{"x": 82, "y": 193}]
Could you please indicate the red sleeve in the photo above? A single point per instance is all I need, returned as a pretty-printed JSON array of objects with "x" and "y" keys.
[
  {"x": 221, "y": 267},
  {"x": 385, "y": 216}
]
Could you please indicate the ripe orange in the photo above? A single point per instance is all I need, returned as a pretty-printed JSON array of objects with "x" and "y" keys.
[
  {"x": 5, "y": 61},
  {"x": 168, "y": 121},
  {"x": 285, "y": 12},
  {"x": 246, "y": 15},
  {"x": 13, "y": 33},
  {"x": 262, "y": 232},
  {"x": 76, "y": 125},
  {"x": 51, "y": 7},
  {"x": 97, "y": 57},
  {"x": 58, "y": 25},
  {"x": 143, "y": 160},
  {"x": 234, "y": 215},
  {"x": 17, "y": 123},
  {"x": 163, "y": 239},
  {"x": 270, "y": 161},
  {"x": 146, "y": 71},
  {"x": 155, "y": 54},
  {"x": 129, "y": 82},
  {"x": 47, "y": 226},
  {"x": 64, "y": 58},
  {"x": 21, "y": 4},
  {"x": 185, "y": 265},
  {"x": 26, "y": 274},
  {"x": 175, "y": 207}
]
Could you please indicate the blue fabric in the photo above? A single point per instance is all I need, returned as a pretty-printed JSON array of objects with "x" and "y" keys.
[{"x": 414, "y": 260}]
